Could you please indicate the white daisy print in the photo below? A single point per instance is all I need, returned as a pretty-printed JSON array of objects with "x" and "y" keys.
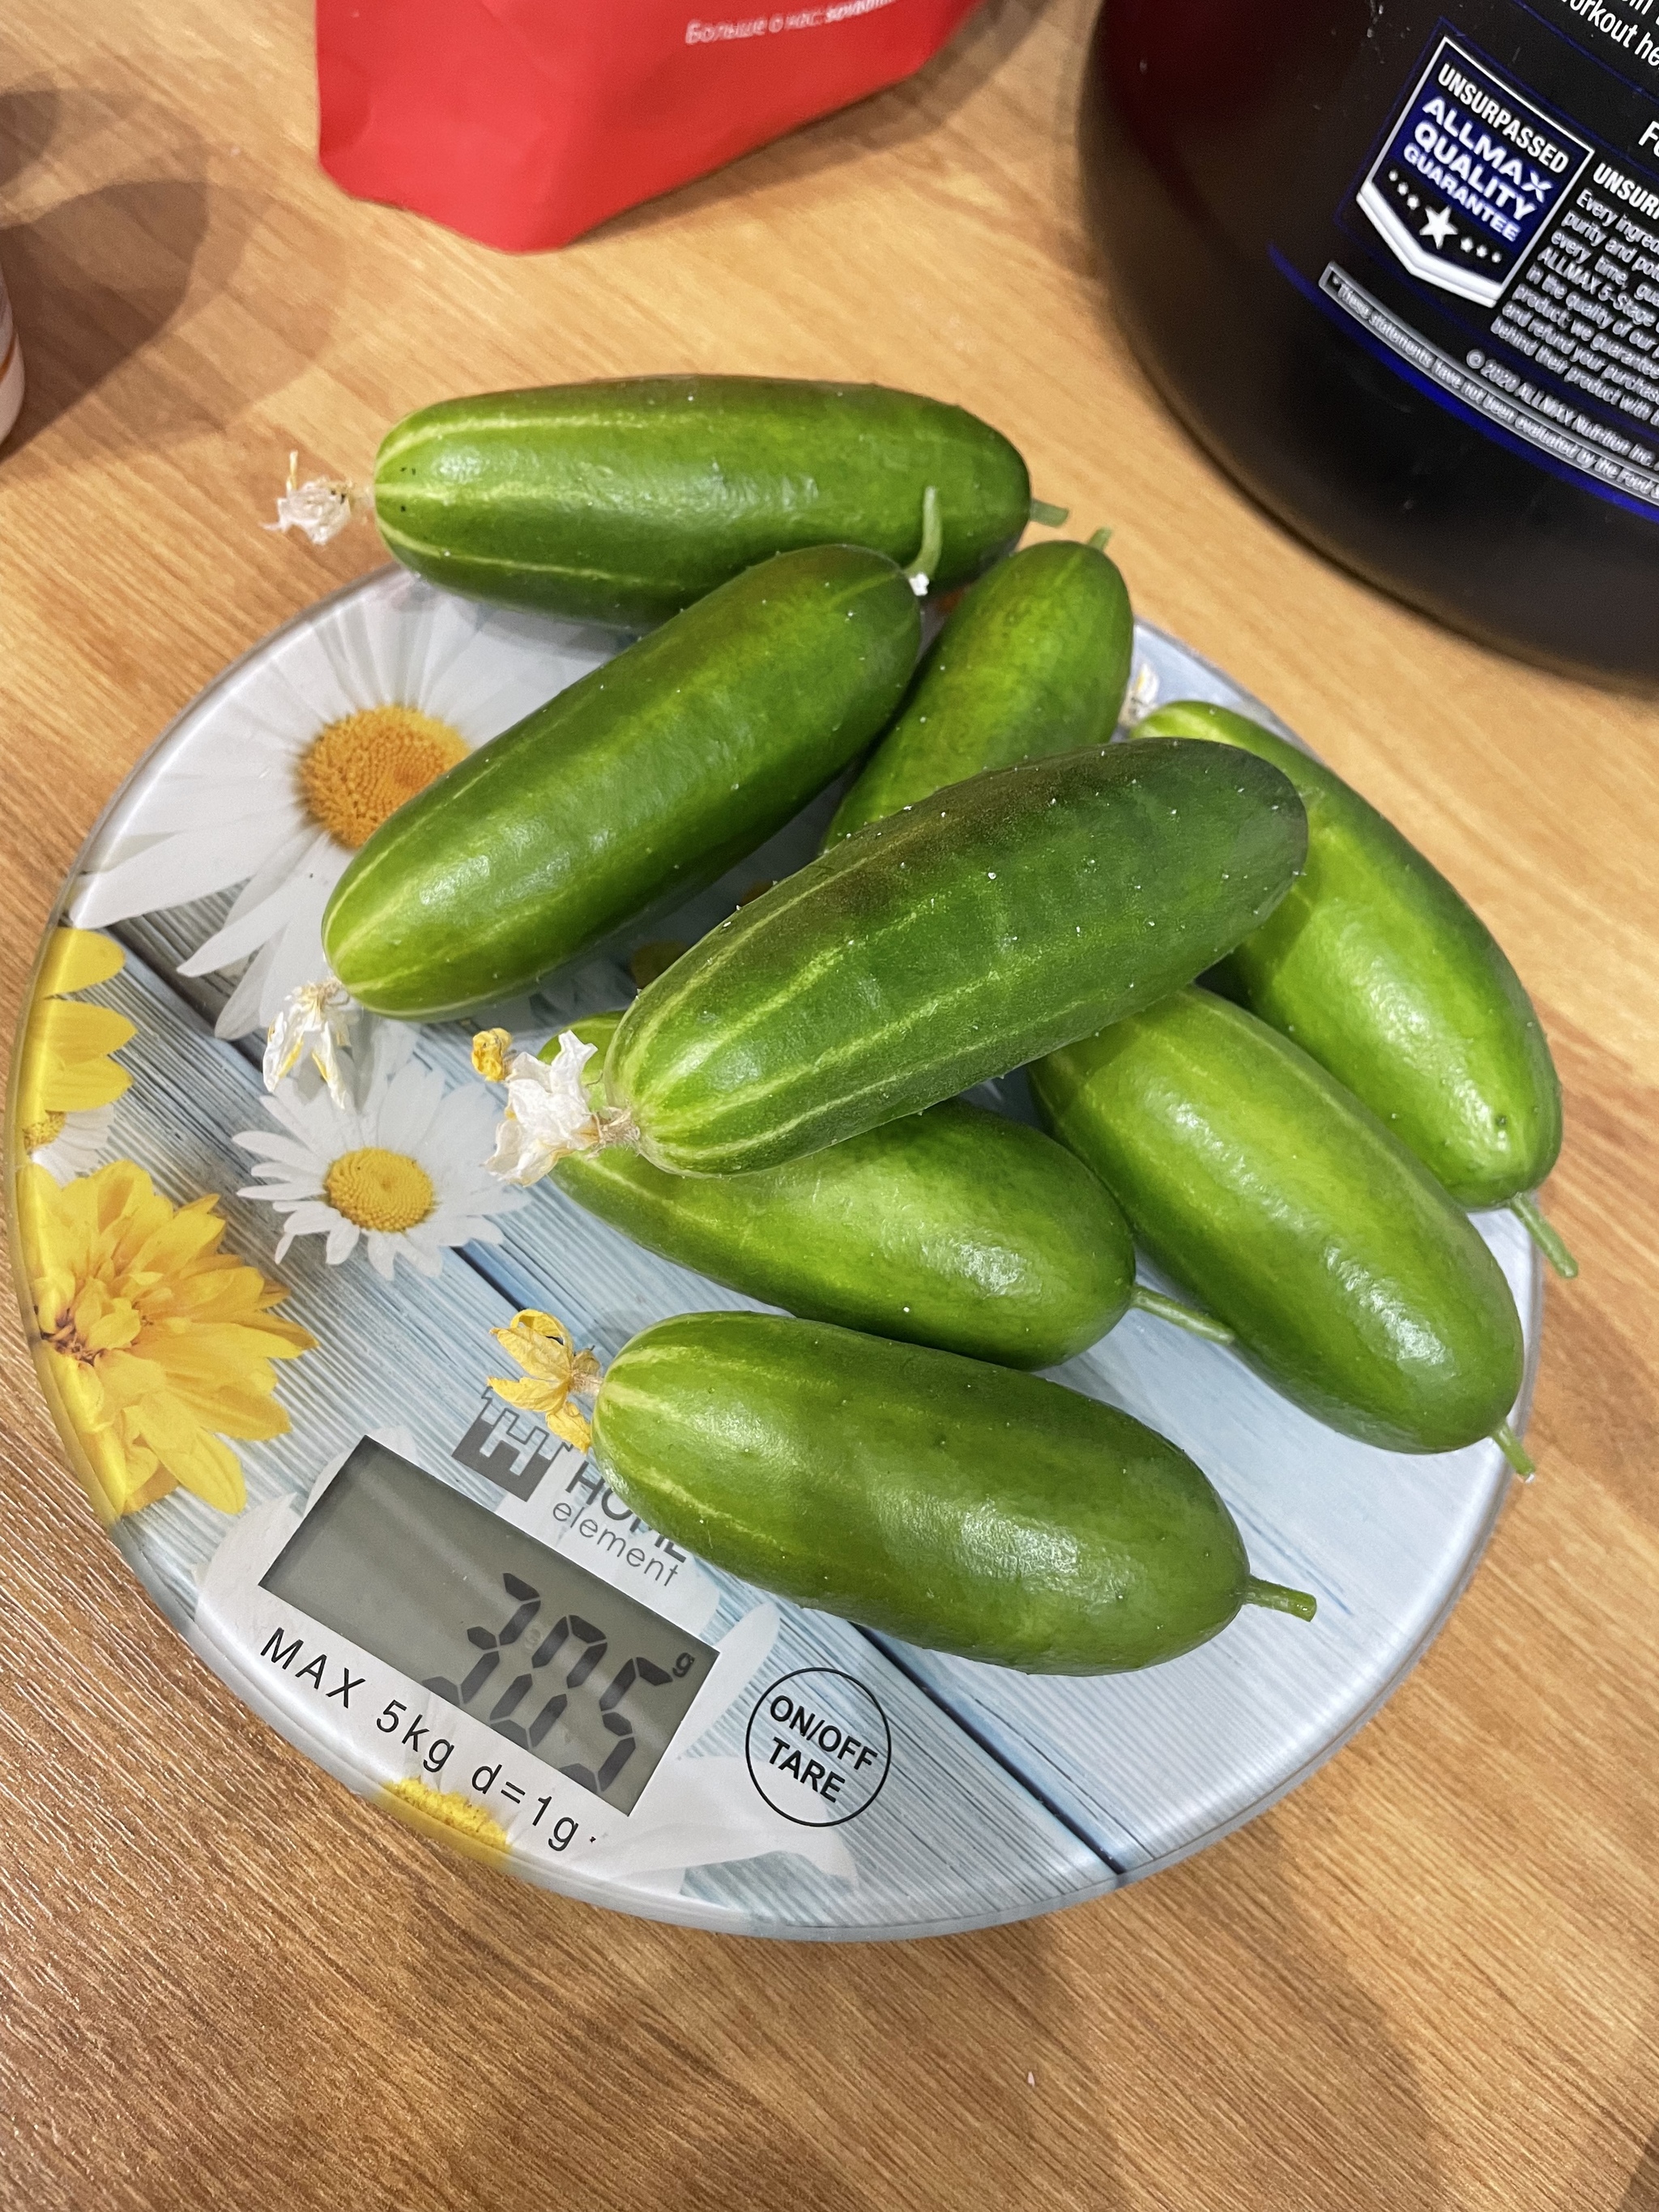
[
  {"x": 401, "y": 1173},
  {"x": 81, "y": 1144},
  {"x": 283, "y": 769}
]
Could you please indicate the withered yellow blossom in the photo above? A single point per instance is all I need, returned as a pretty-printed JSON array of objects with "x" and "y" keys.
[{"x": 555, "y": 1373}]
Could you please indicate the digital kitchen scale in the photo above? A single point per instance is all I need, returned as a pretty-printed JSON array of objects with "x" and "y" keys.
[{"x": 418, "y": 1584}]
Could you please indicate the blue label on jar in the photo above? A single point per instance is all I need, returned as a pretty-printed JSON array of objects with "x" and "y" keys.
[
  {"x": 1500, "y": 252},
  {"x": 1471, "y": 175}
]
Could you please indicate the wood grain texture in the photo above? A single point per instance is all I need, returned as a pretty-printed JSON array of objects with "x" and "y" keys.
[{"x": 1431, "y": 1978}]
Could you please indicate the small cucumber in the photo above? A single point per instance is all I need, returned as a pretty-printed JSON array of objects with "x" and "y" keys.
[
  {"x": 646, "y": 778},
  {"x": 1006, "y": 916},
  {"x": 955, "y": 1227},
  {"x": 1348, "y": 1276},
  {"x": 1035, "y": 660},
  {"x": 965, "y": 1508},
  {"x": 1376, "y": 967},
  {"x": 624, "y": 502}
]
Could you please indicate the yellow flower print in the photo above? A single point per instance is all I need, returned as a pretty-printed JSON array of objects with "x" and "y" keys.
[
  {"x": 154, "y": 1343},
  {"x": 554, "y": 1372},
  {"x": 448, "y": 1816},
  {"x": 67, "y": 1083}
]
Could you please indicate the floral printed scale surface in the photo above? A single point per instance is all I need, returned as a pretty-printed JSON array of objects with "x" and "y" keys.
[{"x": 226, "y": 1291}]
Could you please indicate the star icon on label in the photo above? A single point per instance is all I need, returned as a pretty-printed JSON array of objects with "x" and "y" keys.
[{"x": 1439, "y": 226}]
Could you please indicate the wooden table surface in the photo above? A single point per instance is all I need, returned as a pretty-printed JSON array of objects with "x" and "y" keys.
[{"x": 1431, "y": 1977}]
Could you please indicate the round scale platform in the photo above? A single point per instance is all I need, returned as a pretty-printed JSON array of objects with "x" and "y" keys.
[{"x": 266, "y": 1329}]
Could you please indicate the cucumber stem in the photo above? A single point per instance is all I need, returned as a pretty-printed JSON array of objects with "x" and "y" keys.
[
  {"x": 1101, "y": 540},
  {"x": 1187, "y": 1317},
  {"x": 1544, "y": 1234},
  {"x": 1278, "y": 1598},
  {"x": 1514, "y": 1450},
  {"x": 1047, "y": 514},
  {"x": 921, "y": 570}
]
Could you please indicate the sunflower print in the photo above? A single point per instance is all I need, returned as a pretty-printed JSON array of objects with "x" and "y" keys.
[
  {"x": 68, "y": 1081},
  {"x": 155, "y": 1344}
]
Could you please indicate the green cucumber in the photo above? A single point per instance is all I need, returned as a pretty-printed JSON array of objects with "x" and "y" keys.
[
  {"x": 624, "y": 502},
  {"x": 1377, "y": 967},
  {"x": 954, "y": 1227},
  {"x": 1035, "y": 660},
  {"x": 965, "y": 1508},
  {"x": 645, "y": 780},
  {"x": 1006, "y": 916},
  {"x": 1349, "y": 1277}
]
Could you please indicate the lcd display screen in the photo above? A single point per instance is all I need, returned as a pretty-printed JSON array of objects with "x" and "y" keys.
[{"x": 585, "y": 1679}]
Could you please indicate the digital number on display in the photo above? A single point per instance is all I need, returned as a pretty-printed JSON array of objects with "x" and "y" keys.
[{"x": 578, "y": 1674}]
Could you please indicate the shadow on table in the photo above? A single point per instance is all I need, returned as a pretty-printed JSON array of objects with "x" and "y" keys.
[
  {"x": 116, "y": 295},
  {"x": 30, "y": 119},
  {"x": 95, "y": 279},
  {"x": 853, "y": 2078},
  {"x": 114, "y": 289},
  {"x": 1267, "y": 2054},
  {"x": 1642, "y": 2195},
  {"x": 41, "y": 118},
  {"x": 1204, "y": 2026}
]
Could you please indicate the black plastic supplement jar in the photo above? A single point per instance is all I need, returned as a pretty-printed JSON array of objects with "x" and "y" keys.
[{"x": 1400, "y": 270}]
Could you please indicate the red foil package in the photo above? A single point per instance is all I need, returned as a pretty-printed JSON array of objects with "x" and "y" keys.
[{"x": 523, "y": 123}]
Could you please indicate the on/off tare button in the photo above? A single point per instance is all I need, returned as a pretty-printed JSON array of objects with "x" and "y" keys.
[{"x": 818, "y": 1746}]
